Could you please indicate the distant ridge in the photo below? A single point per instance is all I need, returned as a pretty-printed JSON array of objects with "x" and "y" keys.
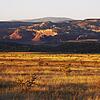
[
  {"x": 61, "y": 35},
  {"x": 52, "y": 19}
]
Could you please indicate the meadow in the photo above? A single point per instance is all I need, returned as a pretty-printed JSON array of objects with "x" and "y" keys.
[{"x": 43, "y": 76}]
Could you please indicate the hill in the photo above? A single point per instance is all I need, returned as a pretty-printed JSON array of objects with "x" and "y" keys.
[
  {"x": 52, "y": 35},
  {"x": 52, "y": 19}
]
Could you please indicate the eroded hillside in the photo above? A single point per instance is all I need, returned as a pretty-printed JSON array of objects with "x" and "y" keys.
[{"x": 47, "y": 32}]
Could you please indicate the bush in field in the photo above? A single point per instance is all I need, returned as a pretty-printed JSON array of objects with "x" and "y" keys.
[
  {"x": 42, "y": 63},
  {"x": 28, "y": 83},
  {"x": 68, "y": 69}
]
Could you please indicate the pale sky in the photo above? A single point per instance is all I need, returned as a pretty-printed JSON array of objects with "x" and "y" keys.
[{"x": 27, "y": 9}]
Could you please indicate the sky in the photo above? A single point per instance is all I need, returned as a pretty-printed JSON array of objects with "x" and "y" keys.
[{"x": 30, "y": 9}]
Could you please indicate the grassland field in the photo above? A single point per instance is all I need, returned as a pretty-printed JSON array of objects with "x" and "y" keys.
[{"x": 43, "y": 76}]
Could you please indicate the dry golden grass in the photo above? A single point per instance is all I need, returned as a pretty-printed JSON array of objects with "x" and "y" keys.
[{"x": 60, "y": 76}]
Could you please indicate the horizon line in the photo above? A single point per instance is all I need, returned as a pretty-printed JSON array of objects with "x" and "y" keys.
[{"x": 23, "y": 19}]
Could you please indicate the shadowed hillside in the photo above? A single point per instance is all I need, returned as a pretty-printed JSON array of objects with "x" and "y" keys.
[{"x": 74, "y": 36}]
